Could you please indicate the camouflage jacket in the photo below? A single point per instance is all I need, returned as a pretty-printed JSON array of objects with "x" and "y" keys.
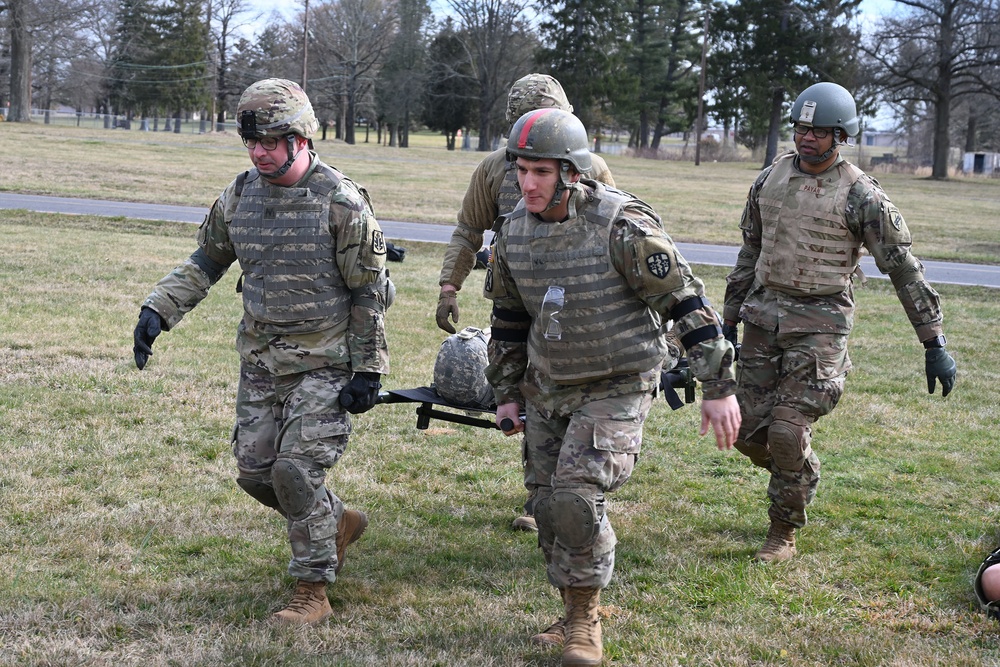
[
  {"x": 873, "y": 222},
  {"x": 356, "y": 342},
  {"x": 640, "y": 250},
  {"x": 480, "y": 210}
]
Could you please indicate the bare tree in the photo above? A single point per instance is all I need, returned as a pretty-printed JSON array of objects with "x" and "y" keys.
[
  {"x": 350, "y": 38},
  {"x": 227, "y": 17},
  {"x": 937, "y": 53},
  {"x": 27, "y": 19},
  {"x": 499, "y": 44}
]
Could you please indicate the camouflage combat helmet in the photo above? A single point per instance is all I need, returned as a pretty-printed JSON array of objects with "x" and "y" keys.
[
  {"x": 826, "y": 105},
  {"x": 550, "y": 133},
  {"x": 460, "y": 369},
  {"x": 275, "y": 108},
  {"x": 535, "y": 91}
]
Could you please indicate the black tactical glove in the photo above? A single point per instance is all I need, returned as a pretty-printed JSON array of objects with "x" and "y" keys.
[
  {"x": 731, "y": 333},
  {"x": 149, "y": 327},
  {"x": 939, "y": 366},
  {"x": 361, "y": 393}
]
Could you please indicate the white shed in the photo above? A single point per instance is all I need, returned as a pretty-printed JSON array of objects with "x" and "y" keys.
[{"x": 981, "y": 163}]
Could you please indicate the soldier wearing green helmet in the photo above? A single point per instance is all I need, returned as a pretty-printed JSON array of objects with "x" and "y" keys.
[
  {"x": 582, "y": 277},
  {"x": 312, "y": 339},
  {"x": 806, "y": 221},
  {"x": 493, "y": 192}
]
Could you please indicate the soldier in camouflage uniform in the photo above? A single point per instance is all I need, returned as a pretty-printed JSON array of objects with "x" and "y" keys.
[
  {"x": 806, "y": 219},
  {"x": 312, "y": 340},
  {"x": 493, "y": 192},
  {"x": 581, "y": 278}
]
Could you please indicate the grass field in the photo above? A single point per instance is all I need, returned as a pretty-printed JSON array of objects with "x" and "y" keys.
[
  {"x": 957, "y": 219},
  {"x": 124, "y": 539}
]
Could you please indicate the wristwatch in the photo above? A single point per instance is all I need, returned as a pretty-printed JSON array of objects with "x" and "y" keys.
[{"x": 937, "y": 341}]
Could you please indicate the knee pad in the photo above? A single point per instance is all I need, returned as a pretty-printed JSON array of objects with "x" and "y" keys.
[
  {"x": 543, "y": 519},
  {"x": 991, "y": 607},
  {"x": 757, "y": 452},
  {"x": 788, "y": 437},
  {"x": 260, "y": 491},
  {"x": 576, "y": 515},
  {"x": 293, "y": 487}
]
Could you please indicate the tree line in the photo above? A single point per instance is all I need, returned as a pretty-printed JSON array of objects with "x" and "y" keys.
[{"x": 632, "y": 68}]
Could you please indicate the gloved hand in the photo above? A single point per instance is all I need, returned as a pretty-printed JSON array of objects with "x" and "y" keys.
[
  {"x": 361, "y": 393},
  {"x": 149, "y": 327},
  {"x": 731, "y": 333},
  {"x": 939, "y": 366},
  {"x": 447, "y": 306}
]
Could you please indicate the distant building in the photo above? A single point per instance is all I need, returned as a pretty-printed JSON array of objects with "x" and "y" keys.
[
  {"x": 881, "y": 139},
  {"x": 981, "y": 163}
]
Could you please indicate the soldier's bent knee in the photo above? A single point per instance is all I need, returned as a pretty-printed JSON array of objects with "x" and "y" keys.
[
  {"x": 260, "y": 491},
  {"x": 575, "y": 515},
  {"x": 756, "y": 452},
  {"x": 293, "y": 487},
  {"x": 788, "y": 437}
]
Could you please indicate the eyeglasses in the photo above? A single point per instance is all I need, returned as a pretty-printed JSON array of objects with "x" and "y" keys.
[
  {"x": 267, "y": 143},
  {"x": 818, "y": 132}
]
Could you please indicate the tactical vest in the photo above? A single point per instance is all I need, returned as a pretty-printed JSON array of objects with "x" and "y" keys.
[
  {"x": 281, "y": 235},
  {"x": 606, "y": 329},
  {"x": 806, "y": 246},
  {"x": 510, "y": 190}
]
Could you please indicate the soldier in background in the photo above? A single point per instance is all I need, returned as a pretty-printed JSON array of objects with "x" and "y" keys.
[
  {"x": 312, "y": 339},
  {"x": 806, "y": 219},
  {"x": 493, "y": 192},
  {"x": 581, "y": 278}
]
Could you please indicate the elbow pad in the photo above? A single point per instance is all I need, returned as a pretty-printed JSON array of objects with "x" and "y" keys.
[{"x": 212, "y": 269}]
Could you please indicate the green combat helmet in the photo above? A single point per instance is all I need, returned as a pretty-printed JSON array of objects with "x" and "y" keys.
[
  {"x": 275, "y": 108},
  {"x": 826, "y": 105},
  {"x": 535, "y": 91},
  {"x": 555, "y": 134},
  {"x": 460, "y": 369}
]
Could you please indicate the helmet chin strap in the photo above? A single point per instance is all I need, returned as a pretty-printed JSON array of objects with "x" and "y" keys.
[
  {"x": 562, "y": 186},
  {"x": 283, "y": 169},
  {"x": 818, "y": 159}
]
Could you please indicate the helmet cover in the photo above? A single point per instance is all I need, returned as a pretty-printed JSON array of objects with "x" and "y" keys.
[
  {"x": 275, "y": 108},
  {"x": 460, "y": 369},
  {"x": 535, "y": 91}
]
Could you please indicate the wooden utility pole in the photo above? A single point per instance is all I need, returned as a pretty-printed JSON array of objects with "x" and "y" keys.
[
  {"x": 701, "y": 91},
  {"x": 305, "y": 43}
]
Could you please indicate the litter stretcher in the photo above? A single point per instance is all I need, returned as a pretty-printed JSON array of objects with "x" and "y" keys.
[{"x": 433, "y": 406}]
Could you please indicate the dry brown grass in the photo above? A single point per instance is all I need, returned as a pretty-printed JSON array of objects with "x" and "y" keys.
[{"x": 957, "y": 219}]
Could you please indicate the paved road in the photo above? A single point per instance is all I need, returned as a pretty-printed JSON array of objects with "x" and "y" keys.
[{"x": 937, "y": 272}]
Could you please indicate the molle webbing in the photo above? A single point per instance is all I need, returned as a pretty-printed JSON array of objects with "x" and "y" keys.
[
  {"x": 510, "y": 191},
  {"x": 283, "y": 242},
  {"x": 606, "y": 329},
  {"x": 806, "y": 246}
]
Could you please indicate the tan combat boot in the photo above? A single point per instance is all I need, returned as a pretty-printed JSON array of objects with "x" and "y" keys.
[
  {"x": 308, "y": 605},
  {"x": 555, "y": 634},
  {"x": 526, "y": 522},
  {"x": 583, "y": 628},
  {"x": 779, "y": 544},
  {"x": 350, "y": 527}
]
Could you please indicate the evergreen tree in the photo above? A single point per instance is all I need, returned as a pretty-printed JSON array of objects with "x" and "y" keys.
[
  {"x": 401, "y": 80},
  {"x": 450, "y": 94},
  {"x": 767, "y": 51}
]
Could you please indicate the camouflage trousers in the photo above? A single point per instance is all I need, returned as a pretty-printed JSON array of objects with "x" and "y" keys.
[
  {"x": 575, "y": 459},
  {"x": 785, "y": 382},
  {"x": 295, "y": 421}
]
